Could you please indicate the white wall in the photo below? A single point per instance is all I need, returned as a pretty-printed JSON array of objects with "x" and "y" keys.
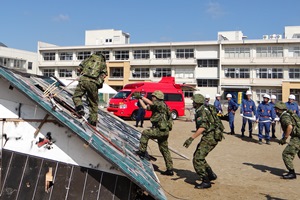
[
  {"x": 99, "y": 37},
  {"x": 25, "y": 56}
]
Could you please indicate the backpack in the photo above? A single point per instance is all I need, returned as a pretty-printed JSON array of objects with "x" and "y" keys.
[
  {"x": 93, "y": 66},
  {"x": 217, "y": 125},
  {"x": 296, "y": 120}
]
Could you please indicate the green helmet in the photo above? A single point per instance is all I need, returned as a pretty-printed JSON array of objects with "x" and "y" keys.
[
  {"x": 198, "y": 98},
  {"x": 158, "y": 94},
  {"x": 280, "y": 105}
]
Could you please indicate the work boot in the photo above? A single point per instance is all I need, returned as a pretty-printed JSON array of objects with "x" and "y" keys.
[
  {"x": 243, "y": 134},
  {"x": 260, "y": 141},
  {"x": 268, "y": 142},
  {"x": 232, "y": 133},
  {"x": 274, "y": 136},
  {"x": 141, "y": 154},
  {"x": 80, "y": 110},
  {"x": 211, "y": 175},
  {"x": 250, "y": 135},
  {"x": 205, "y": 184},
  {"x": 168, "y": 172},
  {"x": 290, "y": 175}
]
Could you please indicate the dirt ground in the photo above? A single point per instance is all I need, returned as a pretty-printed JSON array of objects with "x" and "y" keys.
[{"x": 245, "y": 169}]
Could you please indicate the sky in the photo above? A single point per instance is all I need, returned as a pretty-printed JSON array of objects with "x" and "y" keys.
[{"x": 64, "y": 22}]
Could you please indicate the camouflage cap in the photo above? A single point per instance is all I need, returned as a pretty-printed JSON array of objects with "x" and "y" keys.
[
  {"x": 280, "y": 105},
  {"x": 158, "y": 94},
  {"x": 198, "y": 98}
]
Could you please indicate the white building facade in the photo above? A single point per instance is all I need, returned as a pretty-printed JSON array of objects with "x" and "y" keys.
[
  {"x": 231, "y": 64},
  {"x": 21, "y": 60}
]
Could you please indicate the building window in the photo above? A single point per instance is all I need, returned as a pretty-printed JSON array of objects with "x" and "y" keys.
[
  {"x": 207, "y": 82},
  {"x": 262, "y": 52},
  {"x": 29, "y": 65},
  {"x": 237, "y": 72},
  {"x": 141, "y": 72},
  {"x": 269, "y": 73},
  {"x": 83, "y": 55},
  {"x": 108, "y": 40},
  {"x": 260, "y": 93},
  {"x": 185, "y": 53},
  {"x": 188, "y": 93},
  {"x": 17, "y": 63},
  {"x": 294, "y": 73},
  {"x": 65, "y": 73},
  {"x": 122, "y": 55},
  {"x": 208, "y": 63},
  {"x": 295, "y": 92},
  {"x": 162, "y": 53},
  {"x": 116, "y": 72},
  {"x": 161, "y": 72},
  {"x": 141, "y": 54},
  {"x": 48, "y": 72},
  {"x": 49, "y": 56},
  {"x": 296, "y": 52},
  {"x": 66, "y": 56},
  {"x": 104, "y": 53},
  {"x": 184, "y": 73},
  {"x": 238, "y": 52}
]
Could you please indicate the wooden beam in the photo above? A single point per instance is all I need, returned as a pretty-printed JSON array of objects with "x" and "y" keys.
[{"x": 40, "y": 126}]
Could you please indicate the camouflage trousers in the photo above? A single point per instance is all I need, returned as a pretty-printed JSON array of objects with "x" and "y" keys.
[
  {"x": 90, "y": 89},
  {"x": 206, "y": 145},
  {"x": 162, "y": 140},
  {"x": 290, "y": 151}
]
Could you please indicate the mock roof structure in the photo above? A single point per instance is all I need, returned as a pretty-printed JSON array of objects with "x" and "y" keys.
[{"x": 113, "y": 139}]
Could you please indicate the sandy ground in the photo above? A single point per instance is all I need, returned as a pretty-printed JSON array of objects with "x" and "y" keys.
[{"x": 245, "y": 169}]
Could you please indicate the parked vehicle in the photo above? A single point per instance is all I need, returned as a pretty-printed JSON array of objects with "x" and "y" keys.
[{"x": 125, "y": 106}]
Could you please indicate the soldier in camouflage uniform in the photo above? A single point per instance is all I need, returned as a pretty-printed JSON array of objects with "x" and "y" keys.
[
  {"x": 159, "y": 130},
  {"x": 290, "y": 124},
  {"x": 93, "y": 72},
  {"x": 211, "y": 127}
]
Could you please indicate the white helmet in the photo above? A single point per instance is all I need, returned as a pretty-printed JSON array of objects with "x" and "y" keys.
[
  {"x": 248, "y": 92},
  {"x": 207, "y": 96},
  {"x": 273, "y": 96},
  {"x": 266, "y": 96},
  {"x": 292, "y": 97},
  {"x": 228, "y": 96},
  {"x": 218, "y": 95}
]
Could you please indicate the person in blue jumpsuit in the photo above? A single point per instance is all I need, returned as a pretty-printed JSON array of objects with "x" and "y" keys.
[
  {"x": 272, "y": 103},
  {"x": 217, "y": 104},
  {"x": 247, "y": 108},
  {"x": 265, "y": 115},
  {"x": 292, "y": 105},
  {"x": 232, "y": 107}
]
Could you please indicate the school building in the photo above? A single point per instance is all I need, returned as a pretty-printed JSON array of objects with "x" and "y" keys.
[{"x": 230, "y": 64}]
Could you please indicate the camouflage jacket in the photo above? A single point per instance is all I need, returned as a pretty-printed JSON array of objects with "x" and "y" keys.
[
  {"x": 91, "y": 68},
  {"x": 287, "y": 119},
  {"x": 159, "y": 110},
  {"x": 204, "y": 119}
]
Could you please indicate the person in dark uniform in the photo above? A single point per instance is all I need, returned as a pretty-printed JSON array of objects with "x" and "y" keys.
[
  {"x": 232, "y": 107},
  {"x": 265, "y": 115},
  {"x": 273, "y": 125},
  {"x": 292, "y": 105},
  {"x": 140, "y": 115},
  {"x": 247, "y": 108}
]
